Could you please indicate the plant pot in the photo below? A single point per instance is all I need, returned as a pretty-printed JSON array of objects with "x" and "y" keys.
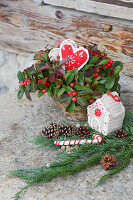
[{"x": 79, "y": 113}]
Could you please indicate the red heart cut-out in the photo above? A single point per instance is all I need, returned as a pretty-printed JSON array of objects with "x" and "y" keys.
[{"x": 79, "y": 56}]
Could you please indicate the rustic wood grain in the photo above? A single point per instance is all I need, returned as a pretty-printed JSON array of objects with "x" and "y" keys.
[
  {"x": 112, "y": 8},
  {"x": 26, "y": 28}
]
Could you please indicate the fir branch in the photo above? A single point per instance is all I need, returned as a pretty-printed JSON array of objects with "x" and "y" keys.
[
  {"x": 44, "y": 143},
  {"x": 82, "y": 157},
  {"x": 17, "y": 195}
]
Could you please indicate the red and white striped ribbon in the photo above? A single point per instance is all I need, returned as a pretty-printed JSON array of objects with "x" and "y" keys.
[{"x": 96, "y": 139}]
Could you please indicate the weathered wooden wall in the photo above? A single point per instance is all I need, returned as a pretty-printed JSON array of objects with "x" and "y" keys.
[
  {"x": 26, "y": 27},
  {"x": 113, "y": 8}
]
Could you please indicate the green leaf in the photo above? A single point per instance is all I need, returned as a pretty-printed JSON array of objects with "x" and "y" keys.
[
  {"x": 61, "y": 91},
  {"x": 75, "y": 71},
  {"x": 40, "y": 75},
  {"x": 44, "y": 56},
  {"x": 70, "y": 78},
  {"x": 49, "y": 91},
  {"x": 65, "y": 98},
  {"x": 37, "y": 58},
  {"x": 95, "y": 85},
  {"x": 27, "y": 92},
  {"x": 82, "y": 101},
  {"x": 117, "y": 63},
  {"x": 101, "y": 88},
  {"x": 103, "y": 62},
  {"x": 93, "y": 59},
  {"x": 55, "y": 90},
  {"x": 20, "y": 76},
  {"x": 88, "y": 79},
  {"x": 110, "y": 81},
  {"x": 20, "y": 92},
  {"x": 70, "y": 107},
  {"x": 81, "y": 77},
  {"x": 68, "y": 89},
  {"x": 68, "y": 72},
  {"x": 79, "y": 87},
  {"x": 117, "y": 70},
  {"x": 33, "y": 86},
  {"x": 40, "y": 93},
  {"x": 84, "y": 92},
  {"x": 87, "y": 67},
  {"x": 102, "y": 80},
  {"x": 41, "y": 85}
]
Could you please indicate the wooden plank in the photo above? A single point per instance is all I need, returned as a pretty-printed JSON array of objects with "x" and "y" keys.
[
  {"x": 26, "y": 28},
  {"x": 119, "y": 9}
]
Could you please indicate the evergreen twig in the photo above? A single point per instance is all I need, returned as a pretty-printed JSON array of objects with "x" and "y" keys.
[{"x": 81, "y": 158}]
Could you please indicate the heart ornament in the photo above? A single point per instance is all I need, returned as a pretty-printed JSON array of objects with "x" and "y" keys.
[
  {"x": 79, "y": 56},
  {"x": 54, "y": 54}
]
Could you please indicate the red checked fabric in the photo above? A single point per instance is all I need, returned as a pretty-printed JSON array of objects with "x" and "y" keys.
[{"x": 79, "y": 58}]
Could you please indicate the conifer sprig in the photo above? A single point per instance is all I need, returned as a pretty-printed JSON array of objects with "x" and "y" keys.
[{"x": 81, "y": 157}]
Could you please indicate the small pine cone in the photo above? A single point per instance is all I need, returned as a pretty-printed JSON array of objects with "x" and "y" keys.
[
  {"x": 120, "y": 134},
  {"x": 67, "y": 130},
  {"x": 108, "y": 161},
  {"x": 51, "y": 131},
  {"x": 83, "y": 131}
]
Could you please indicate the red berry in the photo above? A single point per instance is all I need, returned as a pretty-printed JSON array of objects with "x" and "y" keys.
[
  {"x": 39, "y": 81},
  {"x": 35, "y": 65},
  {"x": 20, "y": 86},
  {"x": 25, "y": 83},
  {"x": 44, "y": 91},
  {"x": 44, "y": 82},
  {"x": 90, "y": 100},
  {"x": 47, "y": 84},
  {"x": 96, "y": 74},
  {"x": 28, "y": 80},
  {"x": 21, "y": 81},
  {"x": 74, "y": 93},
  {"x": 108, "y": 74},
  {"x": 98, "y": 70},
  {"x": 41, "y": 54},
  {"x": 111, "y": 69},
  {"x": 109, "y": 65},
  {"x": 68, "y": 93},
  {"x": 78, "y": 95},
  {"x": 111, "y": 62},
  {"x": 72, "y": 84},
  {"x": 105, "y": 54},
  {"x": 36, "y": 80},
  {"x": 74, "y": 99},
  {"x": 101, "y": 67},
  {"x": 106, "y": 67}
]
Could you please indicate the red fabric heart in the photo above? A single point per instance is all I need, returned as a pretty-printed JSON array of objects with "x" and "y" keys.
[{"x": 79, "y": 56}]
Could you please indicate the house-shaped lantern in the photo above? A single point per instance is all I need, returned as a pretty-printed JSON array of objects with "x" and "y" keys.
[{"x": 106, "y": 114}]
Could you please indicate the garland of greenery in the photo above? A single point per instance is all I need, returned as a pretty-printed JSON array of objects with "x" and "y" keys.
[{"x": 91, "y": 154}]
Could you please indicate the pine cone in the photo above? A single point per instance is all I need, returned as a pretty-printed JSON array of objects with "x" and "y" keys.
[
  {"x": 51, "y": 131},
  {"x": 120, "y": 134},
  {"x": 83, "y": 131},
  {"x": 108, "y": 161},
  {"x": 67, "y": 130}
]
